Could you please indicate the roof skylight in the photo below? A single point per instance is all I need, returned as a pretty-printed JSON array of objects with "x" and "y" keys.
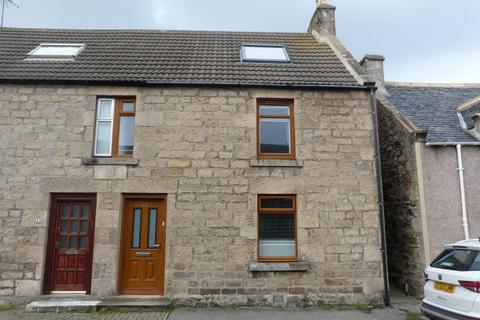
[
  {"x": 264, "y": 53},
  {"x": 56, "y": 51}
]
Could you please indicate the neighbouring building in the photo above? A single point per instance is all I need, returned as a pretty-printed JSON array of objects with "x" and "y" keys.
[
  {"x": 430, "y": 146},
  {"x": 211, "y": 168}
]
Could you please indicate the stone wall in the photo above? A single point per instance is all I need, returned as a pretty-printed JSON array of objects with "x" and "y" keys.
[
  {"x": 196, "y": 145},
  {"x": 406, "y": 259}
]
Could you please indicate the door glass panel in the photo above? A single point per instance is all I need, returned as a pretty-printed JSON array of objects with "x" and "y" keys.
[
  {"x": 74, "y": 226},
  {"x": 85, "y": 212},
  {"x": 274, "y": 135},
  {"x": 126, "y": 134},
  {"x": 83, "y": 226},
  {"x": 152, "y": 227},
  {"x": 137, "y": 224},
  {"x": 63, "y": 242},
  {"x": 65, "y": 212},
  {"x": 75, "y": 211},
  {"x": 64, "y": 226},
  {"x": 73, "y": 243},
  {"x": 83, "y": 242},
  {"x": 128, "y": 107}
]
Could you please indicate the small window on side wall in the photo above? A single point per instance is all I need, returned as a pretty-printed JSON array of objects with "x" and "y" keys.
[
  {"x": 277, "y": 230},
  {"x": 275, "y": 129},
  {"x": 115, "y": 127}
]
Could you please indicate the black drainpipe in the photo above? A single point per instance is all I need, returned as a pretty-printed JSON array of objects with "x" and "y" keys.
[{"x": 378, "y": 169}]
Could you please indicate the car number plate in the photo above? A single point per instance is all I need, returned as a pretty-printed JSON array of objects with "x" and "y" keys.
[{"x": 445, "y": 287}]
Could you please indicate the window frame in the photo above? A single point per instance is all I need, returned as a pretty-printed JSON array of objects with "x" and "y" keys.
[
  {"x": 117, "y": 113},
  {"x": 277, "y": 211},
  {"x": 277, "y": 102}
]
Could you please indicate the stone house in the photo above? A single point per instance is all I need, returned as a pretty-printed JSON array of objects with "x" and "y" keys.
[
  {"x": 209, "y": 168},
  {"x": 430, "y": 146}
]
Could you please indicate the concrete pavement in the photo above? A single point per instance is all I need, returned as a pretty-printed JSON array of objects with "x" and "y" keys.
[
  {"x": 404, "y": 308},
  {"x": 296, "y": 314},
  {"x": 405, "y": 312}
]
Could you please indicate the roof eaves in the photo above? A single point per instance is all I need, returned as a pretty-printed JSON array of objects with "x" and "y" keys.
[
  {"x": 453, "y": 143},
  {"x": 432, "y": 85},
  {"x": 183, "y": 83}
]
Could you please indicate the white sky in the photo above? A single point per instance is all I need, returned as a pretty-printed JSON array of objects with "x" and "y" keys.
[{"x": 422, "y": 40}]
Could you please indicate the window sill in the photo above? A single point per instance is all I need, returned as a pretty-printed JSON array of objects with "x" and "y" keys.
[
  {"x": 110, "y": 161},
  {"x": 276, "y": 163},
  {"x": 279, "y": 267}
]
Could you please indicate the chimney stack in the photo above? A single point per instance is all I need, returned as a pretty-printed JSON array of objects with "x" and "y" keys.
[
  {"x": 323, "y": 20},
  {"x": 373, "y": 66}
]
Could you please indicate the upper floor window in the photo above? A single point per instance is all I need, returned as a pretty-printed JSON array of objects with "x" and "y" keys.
[
  {"x": 56, "y": 51},
  {"x": 277, "y": 230},
  {"x": 264, "y": 53},
  {"x": 275, "y": 129},
  {"x": 115, "y": 127}
]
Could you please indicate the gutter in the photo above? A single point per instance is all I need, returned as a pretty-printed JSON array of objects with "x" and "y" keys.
[
  {"x": 153, "y": 83},
  {"x": 381, "y": 209},
  {"x": 452, "y": 143},
  {"x": 460, "y": 170}
]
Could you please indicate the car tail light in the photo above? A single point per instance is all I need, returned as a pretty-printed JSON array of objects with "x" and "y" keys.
[{"x": 471, "y": 285}]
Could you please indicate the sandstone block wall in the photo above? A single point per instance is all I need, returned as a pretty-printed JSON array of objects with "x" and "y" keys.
[{"x": 197, "y": 145}]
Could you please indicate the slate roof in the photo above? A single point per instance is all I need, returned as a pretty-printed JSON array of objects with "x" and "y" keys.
[
  {"x": 468, "y": 114},
  {"x": 434, "y": 109},
  {"x": 170, "y": 57}
]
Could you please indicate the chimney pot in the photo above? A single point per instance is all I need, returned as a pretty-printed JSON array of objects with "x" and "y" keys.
[{"x": 323, "y": 20}]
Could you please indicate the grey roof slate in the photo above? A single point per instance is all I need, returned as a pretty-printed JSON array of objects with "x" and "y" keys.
[
  {"x": 170, "y": 57},
  {"x": 433, "y": 109}
]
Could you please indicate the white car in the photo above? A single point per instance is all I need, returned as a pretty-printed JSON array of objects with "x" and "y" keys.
[{"x": 452, "y": 288}]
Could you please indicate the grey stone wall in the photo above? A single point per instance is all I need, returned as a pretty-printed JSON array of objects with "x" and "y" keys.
[
  {"x": 406, "y": 259},
  {"x": 196, "y": 145}
]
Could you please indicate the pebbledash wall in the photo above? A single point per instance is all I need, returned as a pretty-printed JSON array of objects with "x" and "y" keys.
[{"x": 198, "y": 146}]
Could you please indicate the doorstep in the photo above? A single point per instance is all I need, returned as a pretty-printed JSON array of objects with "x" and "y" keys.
[{"x": 83, "y": 303}]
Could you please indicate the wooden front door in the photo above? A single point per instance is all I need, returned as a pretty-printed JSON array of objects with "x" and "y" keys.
[
  {"x": 142, "y": 265},
  {"x": 68, "y": 264}
]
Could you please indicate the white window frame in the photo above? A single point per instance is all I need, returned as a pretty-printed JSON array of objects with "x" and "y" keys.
[
  {"x": 244, "y": 58},
  {"x": 32, "y": 55},
  {"x": 98, "y": 120}
]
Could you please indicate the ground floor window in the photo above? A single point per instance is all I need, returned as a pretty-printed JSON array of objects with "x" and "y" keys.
[{"x": 277, "y": 230}]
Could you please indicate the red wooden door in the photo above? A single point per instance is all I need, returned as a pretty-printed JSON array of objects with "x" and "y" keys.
[
  {"x": 142, "y": 266},
  {"x": 70, "y": 246}
]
